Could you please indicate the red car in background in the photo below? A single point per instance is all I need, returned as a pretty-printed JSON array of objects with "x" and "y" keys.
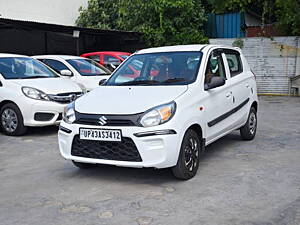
[{"x": 109, "y": 59}]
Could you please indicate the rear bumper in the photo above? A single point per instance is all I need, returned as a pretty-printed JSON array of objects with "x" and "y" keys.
[{"x": 159, "y": 150}]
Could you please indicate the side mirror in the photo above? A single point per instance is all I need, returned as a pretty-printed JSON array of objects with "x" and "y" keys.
[
  {"x": 66, "y": 73},
  {"x": 102, "y": 82},
  {"x": 214, "y": 82}
]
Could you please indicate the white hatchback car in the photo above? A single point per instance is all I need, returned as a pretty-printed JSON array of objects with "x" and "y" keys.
[
  {"x": 31, "y": 94},
  {"x": 85, "y": 72},
  {"x": 182, "y": 99}
]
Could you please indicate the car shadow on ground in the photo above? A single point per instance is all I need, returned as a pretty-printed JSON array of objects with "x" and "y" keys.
[
  {"x": 148, "y": 175},
  {"x": 41, "y": 131},
  {"x": 38, "y": 131}
]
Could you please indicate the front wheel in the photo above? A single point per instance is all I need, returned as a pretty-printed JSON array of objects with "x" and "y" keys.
[
  {"x": 248, "y": 131},
  {"x": 188, "y": 160},
  {"x": 11, "y": 120}
]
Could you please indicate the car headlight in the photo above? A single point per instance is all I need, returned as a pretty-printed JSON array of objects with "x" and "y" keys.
[
  {"x": 158, "y": 115},
  {"x": 35, "y": 93},
  {"x": 69, "y": 113}
]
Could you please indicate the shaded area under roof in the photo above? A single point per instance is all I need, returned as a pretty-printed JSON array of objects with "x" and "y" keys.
[{"x": 31, "y": 38}]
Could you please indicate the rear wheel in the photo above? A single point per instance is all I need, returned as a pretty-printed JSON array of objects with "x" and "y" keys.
[
  {"x": 248, "y": 131},
  {"x": 11, "y": 120},
  {"x": 81, "y": 165},
  {"x": 188, "y": 160}
]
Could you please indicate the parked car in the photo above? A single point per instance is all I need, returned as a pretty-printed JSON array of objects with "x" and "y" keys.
[
  {"x": 109, "y": 59},
  {"x": 85, "y": 72},
  {"x": 165, "y": 120},
  {"x": 31, "y": 94}
]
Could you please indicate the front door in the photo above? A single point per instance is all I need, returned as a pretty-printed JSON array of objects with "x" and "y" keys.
[{"x": 218, "y": 101}]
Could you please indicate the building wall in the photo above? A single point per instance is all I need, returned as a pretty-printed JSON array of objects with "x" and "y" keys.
[
  {"x": 273, "y": 61},
  {"x": 63, "y": 12}
]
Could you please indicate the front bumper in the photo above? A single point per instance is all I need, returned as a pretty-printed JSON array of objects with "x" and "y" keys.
[
  {"x": 29, "y": 107},
  {"x": 159, "y": 151}
]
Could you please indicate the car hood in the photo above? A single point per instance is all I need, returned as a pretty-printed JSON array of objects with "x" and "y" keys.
[
  {"x": 50, "y": 85},
  {"x": 91, "y": 82},
  {"x": 126, "y": 100}
]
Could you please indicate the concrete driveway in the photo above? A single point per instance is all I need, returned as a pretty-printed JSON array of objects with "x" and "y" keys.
[{"x": 238, "y": 182}]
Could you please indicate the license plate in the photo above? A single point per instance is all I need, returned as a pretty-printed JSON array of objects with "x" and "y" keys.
[{"x": 100, "y": 134}]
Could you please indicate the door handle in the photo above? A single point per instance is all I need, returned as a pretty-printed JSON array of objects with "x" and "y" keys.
[
  {"x": 247, "y": 85},
  {"x": 228, "y": 94}
]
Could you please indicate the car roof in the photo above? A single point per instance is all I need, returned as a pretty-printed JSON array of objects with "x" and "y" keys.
[
  {"x": 2, "y": 55},
  {"x": 65, "y": 57},
  {"x": 175, "y": 48},
  {"x": 182, "y": 48},
  {"x": 108, "y": 52}
]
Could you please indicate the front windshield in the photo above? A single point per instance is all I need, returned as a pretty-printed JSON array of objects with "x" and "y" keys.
[
  {"x": 87, "y": 67},
  {"x": 124, "y": 56},
  {"x": 24, "y": 68},
  {"x": 171, "y": 68}
]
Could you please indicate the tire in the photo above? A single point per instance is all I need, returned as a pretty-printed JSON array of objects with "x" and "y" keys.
[
  {"x": 188, "y": 160},
  {"x": 84, "y": 166},
  {"x": 11, "y": 120},
  {"x": 248, "y": 131}
]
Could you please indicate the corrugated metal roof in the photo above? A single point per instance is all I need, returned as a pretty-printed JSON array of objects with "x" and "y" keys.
[{"x": 57, "y": 27}]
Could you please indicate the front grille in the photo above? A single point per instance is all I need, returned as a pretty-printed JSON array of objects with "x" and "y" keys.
[
  {"x": 111, "y": 120},
  {"x": 65, "y": 98},
  {"x": 109, "y": 150}
]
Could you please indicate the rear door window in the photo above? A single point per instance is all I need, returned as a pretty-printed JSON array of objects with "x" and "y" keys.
[{"x": 234, "y": 62}]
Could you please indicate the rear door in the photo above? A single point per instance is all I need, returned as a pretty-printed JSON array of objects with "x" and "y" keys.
[{"x": 239, "y": 83}]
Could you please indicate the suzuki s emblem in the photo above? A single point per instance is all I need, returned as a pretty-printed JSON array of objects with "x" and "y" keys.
[{"x": 102, "y": 120}]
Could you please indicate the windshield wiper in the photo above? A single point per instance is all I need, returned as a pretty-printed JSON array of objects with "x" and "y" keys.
[
  {"x": 138, "y": 82},
  {"x": 173, "y": 80},
  {"x": 32, "y": 77}
]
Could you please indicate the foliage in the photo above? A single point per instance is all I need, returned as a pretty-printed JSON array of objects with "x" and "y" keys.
[
  {"x": 162, "y": 22},
  {"x": 100, "y": 14},
  {"x": 288, "y": 14},
  {"x": 285, "y": 13},
  {"x": 263, "y": 8},
  {"x": 238, "y": 43}
]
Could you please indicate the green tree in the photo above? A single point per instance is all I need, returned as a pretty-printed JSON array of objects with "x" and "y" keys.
[
  {"x": 288, "y": 16},
  {"x": 162, "y": 22},
  {"x": 263, "y": 8},
  {"x": 285, "y": 13},
  {"x": 102, "y": 14}
]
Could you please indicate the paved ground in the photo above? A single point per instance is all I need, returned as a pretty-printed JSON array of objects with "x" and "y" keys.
[{"x": 238, "y": 182}]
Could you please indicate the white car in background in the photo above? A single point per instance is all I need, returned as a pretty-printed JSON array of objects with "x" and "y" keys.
[
  {"x": 85, "y": 72},
  {"x": 31, "y": 94},
  {"x": 181, "y": 99}
]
